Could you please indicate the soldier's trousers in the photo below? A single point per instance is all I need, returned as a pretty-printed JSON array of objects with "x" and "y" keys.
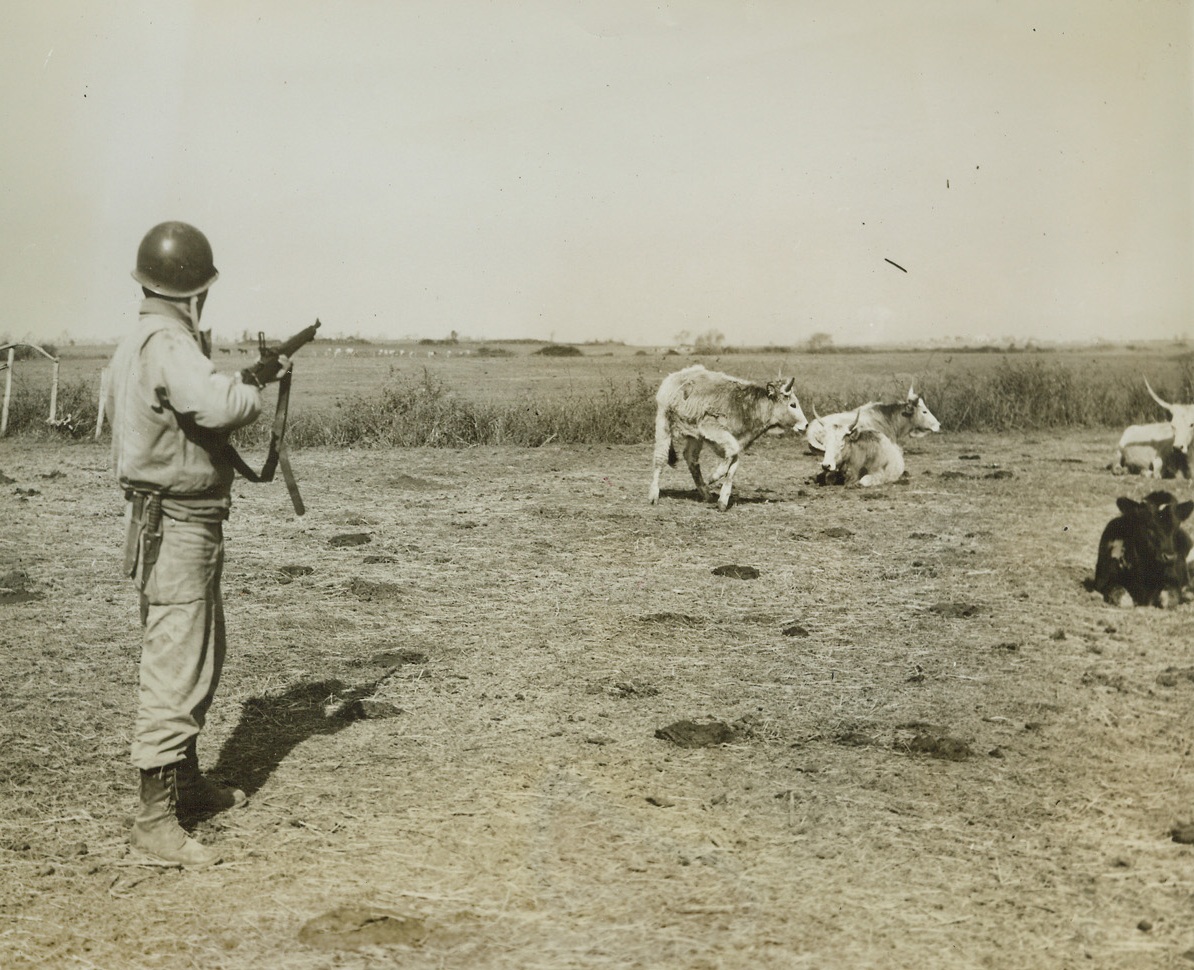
[{"x": 183, "y": 649}]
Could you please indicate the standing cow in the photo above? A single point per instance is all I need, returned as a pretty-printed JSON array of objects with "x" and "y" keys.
[
  {"x": 1143, "y": 552},
  {"x": 695, "y": 406},
  {"x": 896, "y": 420},
  {"x": 1161, "y": 449},
  {"x": 855, "y": 455}
]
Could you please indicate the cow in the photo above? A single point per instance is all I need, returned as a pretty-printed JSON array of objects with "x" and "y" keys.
[
  {"x": 695, "y": 406},
  {"x": 896, "y": 420},
  {"x": 856, "y": 455},
  {"x": 1159, "y": 450},
  {"x": 1143, "y": 553}
]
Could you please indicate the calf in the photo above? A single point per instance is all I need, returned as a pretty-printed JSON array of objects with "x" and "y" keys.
[
  {"x": 856, "y": 455},
  {"x": 695, "y": 406},
  {"x": 1143, "y": 552}
]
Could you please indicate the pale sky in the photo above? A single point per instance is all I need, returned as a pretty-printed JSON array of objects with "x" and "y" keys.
[{"x": 607, "y": 169}]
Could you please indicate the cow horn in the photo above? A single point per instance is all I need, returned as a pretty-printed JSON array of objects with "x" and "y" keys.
[
  {"x": 1167, "y": 407},
  {"x": 854, "y": 423},
  {"x": 911, "y": 392},
  {"x": 789, "y": 385},
  {"x": 815, "y": 414}
]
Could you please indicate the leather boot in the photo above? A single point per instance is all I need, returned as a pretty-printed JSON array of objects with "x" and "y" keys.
[
  {"x": 156, "y": 831},
  {"x": 199, "y": 795}
]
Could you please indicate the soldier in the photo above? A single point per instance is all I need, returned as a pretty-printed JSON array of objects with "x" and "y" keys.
[{"x": 171, "y": 415}]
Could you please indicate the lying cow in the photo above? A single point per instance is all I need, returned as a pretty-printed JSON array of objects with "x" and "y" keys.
[
  {"x": 855, "y": 455},
  {"x": 896, "y": 420},
  {"x": 1143, "y": 552},
  {"x": 1159, "y": 450},
  {"x": 695, "y": 406}
]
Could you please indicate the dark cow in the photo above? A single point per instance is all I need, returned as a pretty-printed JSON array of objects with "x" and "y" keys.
[
  {"x": 695, "y": 405},
  {"x": 1143, "y": 553}
]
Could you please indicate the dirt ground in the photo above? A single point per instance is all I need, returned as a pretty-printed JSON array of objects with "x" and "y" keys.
[{"x": 916, "y": 739}]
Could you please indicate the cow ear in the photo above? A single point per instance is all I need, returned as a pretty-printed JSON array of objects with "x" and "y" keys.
[
  {"x": 1184, "y": 510},
  {"x": 1126, "y": 505}
]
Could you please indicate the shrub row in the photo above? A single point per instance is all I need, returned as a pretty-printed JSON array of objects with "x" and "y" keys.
[{"x": 1015, "y": 394}]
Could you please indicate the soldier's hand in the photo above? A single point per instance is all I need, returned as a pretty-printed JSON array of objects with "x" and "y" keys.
[{"x": 266, "y": 370}]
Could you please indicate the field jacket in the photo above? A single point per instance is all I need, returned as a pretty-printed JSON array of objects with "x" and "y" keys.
[{"x": 171, "y": 412}]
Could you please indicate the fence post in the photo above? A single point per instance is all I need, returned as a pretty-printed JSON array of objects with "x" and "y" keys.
[
  {"x": 54, "y": 393},
  {"x": 105, "y": 376},
  {"x": 12, "y": 352}
]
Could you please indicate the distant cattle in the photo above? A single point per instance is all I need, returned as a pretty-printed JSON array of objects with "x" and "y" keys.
[
  {"x": 895, "y": 420},
  {"x": 1159, "y": 450},
  {"x": 695, "y": 406},
  {"x": 857, "y": 456},
  {"x": 1143, "y": 553}
]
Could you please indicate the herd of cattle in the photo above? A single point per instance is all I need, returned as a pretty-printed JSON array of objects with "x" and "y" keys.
[{"x": 1144, "y": 555}]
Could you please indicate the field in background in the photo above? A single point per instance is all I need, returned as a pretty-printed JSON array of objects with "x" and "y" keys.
[{"x": 410, "y": 395}]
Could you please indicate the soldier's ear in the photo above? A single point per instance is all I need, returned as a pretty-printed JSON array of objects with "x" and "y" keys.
[
  {"x": 1184, "y": 510},
  {"x": 1126, "y": 505}
]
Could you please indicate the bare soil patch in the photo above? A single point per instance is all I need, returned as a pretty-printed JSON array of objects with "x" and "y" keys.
[{"x": 936, "y": 747}]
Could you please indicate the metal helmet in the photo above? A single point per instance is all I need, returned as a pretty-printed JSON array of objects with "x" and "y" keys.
[{"x": 174, "y": 259}]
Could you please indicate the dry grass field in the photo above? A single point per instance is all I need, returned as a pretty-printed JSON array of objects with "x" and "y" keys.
[{"x": 917, "y": 740}]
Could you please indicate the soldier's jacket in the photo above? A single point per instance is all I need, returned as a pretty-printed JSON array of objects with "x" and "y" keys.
[{"x": 171, "y": 412}]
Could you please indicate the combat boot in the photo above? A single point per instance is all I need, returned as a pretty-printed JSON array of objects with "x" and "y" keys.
[
  {"x": 198, "y": 794},
  {"x": 156, "y": 831}
]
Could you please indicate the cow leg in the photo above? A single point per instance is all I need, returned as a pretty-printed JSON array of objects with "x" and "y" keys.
[
  {"x": 692, "y": 458},
  {"x": 1118, "y": 596},
  {"x": 730, "y": 451},
  {"x": 663, "y": 447},
  {"x": 723, "y": 500},
  {"x": 1168, "y": 598}
]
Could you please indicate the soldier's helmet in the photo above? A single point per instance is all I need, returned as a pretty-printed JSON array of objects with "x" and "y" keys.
[{"x": 175, "y": 259}]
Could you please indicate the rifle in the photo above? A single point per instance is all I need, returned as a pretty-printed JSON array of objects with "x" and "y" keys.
[
  {"x": 266, "y": 368},
  {"x": 261, "y": 373}
]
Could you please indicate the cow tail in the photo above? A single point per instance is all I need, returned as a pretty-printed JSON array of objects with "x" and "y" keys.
[{"x": 671, "y": 455}]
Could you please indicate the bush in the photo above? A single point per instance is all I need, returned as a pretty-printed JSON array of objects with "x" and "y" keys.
[
  {"x": 76, "y": 410},
  {"x": 558, "y": 350},
  {"x": 425, "y": 413},
  {"x": 1016, "y": 393}
]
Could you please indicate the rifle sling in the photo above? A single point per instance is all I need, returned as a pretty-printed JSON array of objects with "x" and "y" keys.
[{"x": 277, "y": 451}]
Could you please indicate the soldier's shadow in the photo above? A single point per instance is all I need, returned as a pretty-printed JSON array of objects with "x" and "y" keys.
[{"x": 273, "y": 725}]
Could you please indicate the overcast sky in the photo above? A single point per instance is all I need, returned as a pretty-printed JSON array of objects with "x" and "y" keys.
[{"x": 604, "y": 169}]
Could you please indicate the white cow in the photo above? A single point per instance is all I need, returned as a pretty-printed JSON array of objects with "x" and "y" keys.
[
  {"x": 1159, "y": 450},
  {"x": 695, "y": 406},
  {"x": 856, "y": 454},
  {"x": 897, "y": 420}
]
